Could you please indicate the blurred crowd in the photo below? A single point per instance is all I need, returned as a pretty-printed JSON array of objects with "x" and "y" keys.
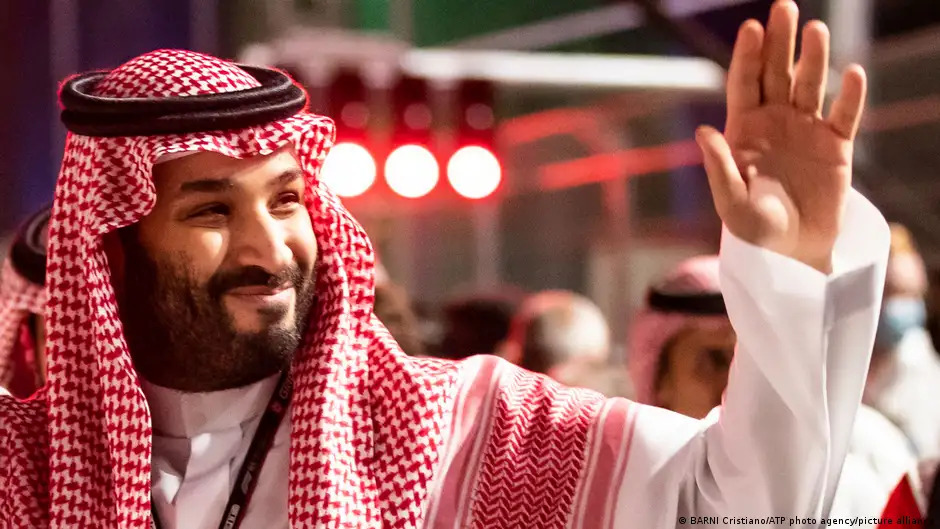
[{"x": 678, "y": 354}]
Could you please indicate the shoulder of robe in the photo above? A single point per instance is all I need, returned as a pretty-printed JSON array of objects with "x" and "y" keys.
[{"x": 532, "y": 396}]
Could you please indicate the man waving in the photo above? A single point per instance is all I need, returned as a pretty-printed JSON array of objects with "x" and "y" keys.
[{"x": 213, "y": 359}]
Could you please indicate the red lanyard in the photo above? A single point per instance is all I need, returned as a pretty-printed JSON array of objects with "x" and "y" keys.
[{"x": 254, "y": 459}]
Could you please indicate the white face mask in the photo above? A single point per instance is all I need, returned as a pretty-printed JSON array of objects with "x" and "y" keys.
[{"x": 898, "y": 316}]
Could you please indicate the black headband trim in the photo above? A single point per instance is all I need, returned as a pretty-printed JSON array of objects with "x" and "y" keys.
[
  {"x": 707, "y": 304},
  {"x": 277, "y": 98},
  {"x": 28, "y": 253}
]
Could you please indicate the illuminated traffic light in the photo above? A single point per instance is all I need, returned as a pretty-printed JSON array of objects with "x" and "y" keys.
[
  {"x": 350, "y": 169},
  {"x": 474, "y": 170},
  {"x": 404, "y": 160},
  {"x": 411, "y": 169}
]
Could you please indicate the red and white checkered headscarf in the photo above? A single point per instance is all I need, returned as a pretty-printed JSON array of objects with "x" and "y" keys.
[
  {"x": 367, "y": 421},
  {"x": 651, "y": 329},
  {"x": 19, "y": 297}
]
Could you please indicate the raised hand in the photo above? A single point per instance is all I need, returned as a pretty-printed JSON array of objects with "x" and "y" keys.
[{"x": 781, "y": 172}]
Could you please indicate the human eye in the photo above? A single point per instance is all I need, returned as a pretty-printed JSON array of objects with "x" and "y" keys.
[
  {"x": 286, "y": 202},
  {"x": 211, "y": 214}
]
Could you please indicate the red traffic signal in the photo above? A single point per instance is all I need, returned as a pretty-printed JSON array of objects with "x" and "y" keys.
[
  {"x": 349, "y": 169},
  {"x": 348, "y": 104},
  {"x": 474, "y": 172},
  {"x": 412, "y": 113},
  {"x": 411, "y": 170}
]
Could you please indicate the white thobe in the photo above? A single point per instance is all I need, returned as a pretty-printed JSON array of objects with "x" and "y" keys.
[
  {"x": 774, "y": 448},
  {"x": 199, "y": 443}
]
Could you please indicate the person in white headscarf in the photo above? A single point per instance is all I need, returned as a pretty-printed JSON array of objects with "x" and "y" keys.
[{"x": 681, "y": 348}]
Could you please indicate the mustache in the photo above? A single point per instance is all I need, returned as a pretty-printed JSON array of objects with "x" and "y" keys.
[{"x": 255, "y": 276}]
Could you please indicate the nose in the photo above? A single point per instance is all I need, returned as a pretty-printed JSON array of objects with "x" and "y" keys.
[{"x": 259, "y": 239}]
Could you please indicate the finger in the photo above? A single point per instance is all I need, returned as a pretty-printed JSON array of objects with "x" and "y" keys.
[
  {"x": 778, "y": 52},
  {"x": 809, "y": 82},
  {"x": 745, "y": 70},
  {"x": 724, "y": 179},
  {"x": 846, "y": 111}
]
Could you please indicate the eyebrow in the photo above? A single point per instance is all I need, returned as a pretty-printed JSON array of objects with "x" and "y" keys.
[
  {"x": 218, "y": 185},
  {"x": 286, "y": 177},
  {"x": 207, "y": 185}
]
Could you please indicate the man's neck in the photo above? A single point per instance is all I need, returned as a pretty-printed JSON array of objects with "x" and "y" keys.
[
  {"x": 187, "y": 383},
  {"x": 177, "y": 413}
]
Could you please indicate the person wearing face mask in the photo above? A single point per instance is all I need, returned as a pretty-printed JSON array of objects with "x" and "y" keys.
[{"x": 905, "y": 369}]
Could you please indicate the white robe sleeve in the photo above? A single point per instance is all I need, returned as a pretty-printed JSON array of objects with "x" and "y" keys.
[{"x": 776, "y": 446}]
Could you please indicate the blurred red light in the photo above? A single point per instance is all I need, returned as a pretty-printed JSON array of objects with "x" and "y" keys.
[
  {"x": 411, "y": 171},
  {"x": 474, "y": 172},
  {"x": 349, "y": 170}
]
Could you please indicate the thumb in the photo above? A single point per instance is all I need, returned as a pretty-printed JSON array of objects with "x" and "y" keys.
[{"x": 724, "y": 179}]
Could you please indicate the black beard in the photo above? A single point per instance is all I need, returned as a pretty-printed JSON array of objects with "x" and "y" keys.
[{"x": 181, "y": 336}]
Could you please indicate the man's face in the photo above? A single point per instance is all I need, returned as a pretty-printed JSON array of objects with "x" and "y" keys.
[
  {"x": 695, "y": 372},
  {"x": 219, "y": 278}
]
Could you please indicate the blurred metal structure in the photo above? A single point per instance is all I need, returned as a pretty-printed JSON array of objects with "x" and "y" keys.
[
  {"x": 567, "y": 70},
  {"x": 587, "y": 24},
  {"x": 314, "y": 51}
]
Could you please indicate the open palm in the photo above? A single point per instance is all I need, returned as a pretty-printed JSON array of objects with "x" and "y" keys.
[{"x": 780, "y": 173}]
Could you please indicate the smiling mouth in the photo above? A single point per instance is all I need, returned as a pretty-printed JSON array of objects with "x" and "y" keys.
[{"x": 262, "y": 295}]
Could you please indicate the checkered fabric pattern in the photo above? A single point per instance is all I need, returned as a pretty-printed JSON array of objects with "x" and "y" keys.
[
  {"x": 533, "y": 460},
  {"x": 19, "y": 297},
  {"x": 368, "y": 423}
]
